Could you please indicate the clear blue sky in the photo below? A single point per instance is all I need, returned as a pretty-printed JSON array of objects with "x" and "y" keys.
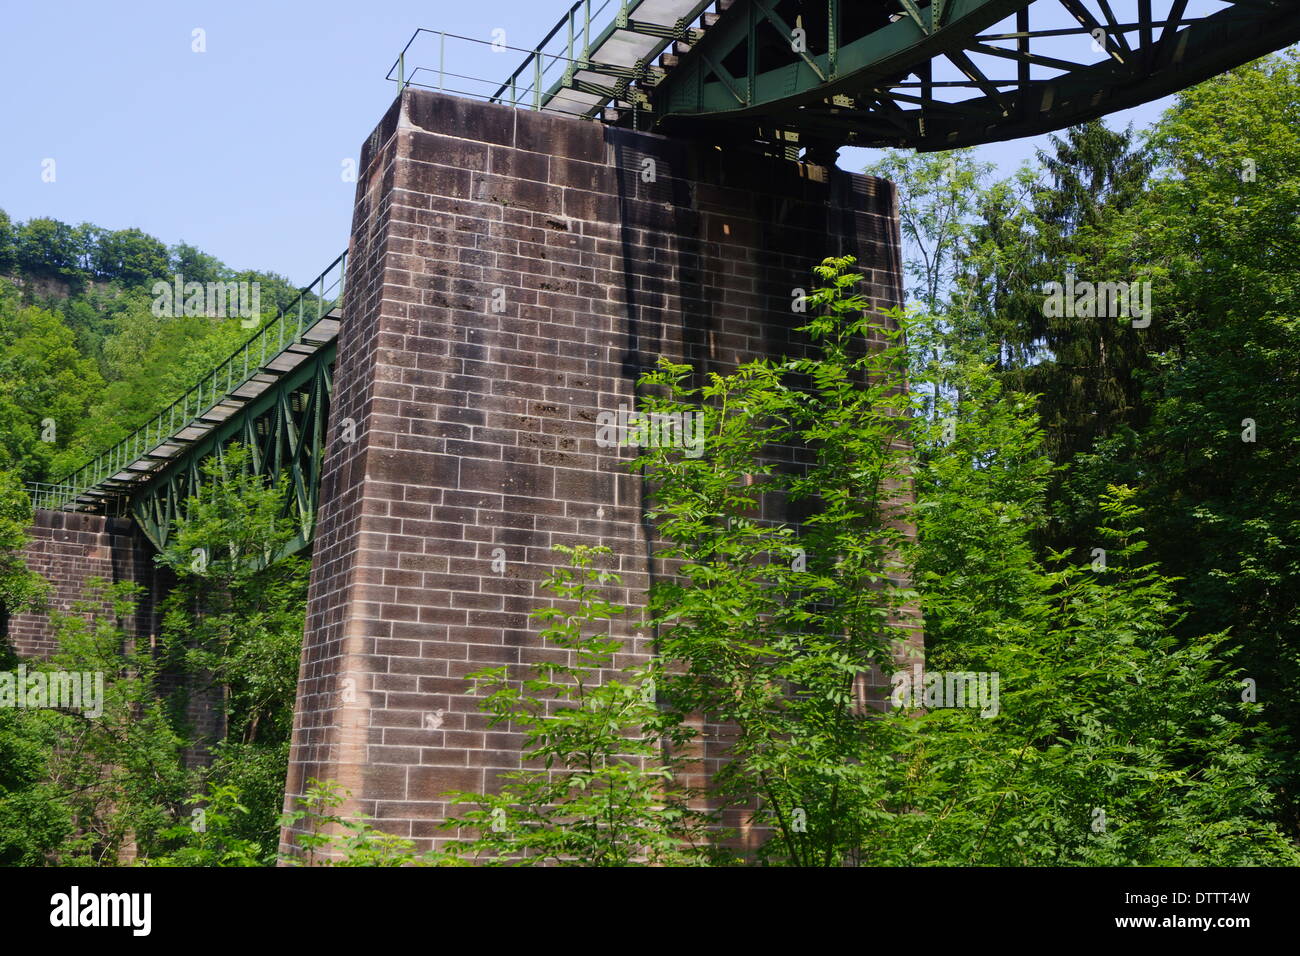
[{"x": 237, "y": 150}]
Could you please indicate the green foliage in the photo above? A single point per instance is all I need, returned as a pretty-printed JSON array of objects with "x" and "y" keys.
[
  {"x": 1115, "y": 743},
  {"x": 981, "y": 482},
  {"x": 47, "y": 247},
  {"x": 46, "y": 387},
  {"x": 771, "y": 629},
  {"x": 596, "y": 788},
  {"x": 78, "y": 788},
  {"x": 8, "y": 251},
  {"x": 35, "y": 817},
  {"x": 130, "y": 255},
  {"x": 233, "y": 624},
  {"x": 332, "y": 840},
  {"x": 256, "y": 771},
  {"x": 936, "y": 216},
  {"x": 1087, "y": 374},
  {"x": 80, "y": 345},
  {"x": 1204, "y": 210},
  {"x": 213, "y": 835},
  {"x": 1225, "y": 513},
  {"x": 34, "y": 820},
  {"x": 20, "y": 589},
  {"x": 120, "y": 772},
  {"x": 1109, "y": 740},
  {"x": 148, "y": 361},
  {"x": 236, "y": 614}
]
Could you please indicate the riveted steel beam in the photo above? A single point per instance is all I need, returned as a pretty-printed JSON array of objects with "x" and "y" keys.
[
  {"x": 744, "y": 76},
  {"x": 284, "y": 431}
]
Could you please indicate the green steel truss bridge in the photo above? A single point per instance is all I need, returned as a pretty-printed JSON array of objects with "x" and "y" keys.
[
  {"x": 919, "y": 74},
  {"x": 272, "y": 395},
  {"x": 810, "y": 74}
]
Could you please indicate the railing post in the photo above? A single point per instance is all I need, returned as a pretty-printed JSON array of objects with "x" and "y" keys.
[
  {"x": 833, "y": 35},
  {"x": 537, "y": 79},
  {"x": 185, "y": 410}
]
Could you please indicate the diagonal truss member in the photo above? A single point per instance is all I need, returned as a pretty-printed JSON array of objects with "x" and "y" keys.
[
  {"x": 924, "y": 74},
  {"x": 272, "y": 395}
]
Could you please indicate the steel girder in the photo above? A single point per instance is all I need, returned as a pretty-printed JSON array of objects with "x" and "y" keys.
[
  {"x": 283, "y": 428},
  {"x": 872, "y": 72}
]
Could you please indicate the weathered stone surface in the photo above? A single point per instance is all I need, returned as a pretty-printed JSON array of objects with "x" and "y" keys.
[
  {"x": 510, "y": 274},
  {"x": 69, "y": 549}
]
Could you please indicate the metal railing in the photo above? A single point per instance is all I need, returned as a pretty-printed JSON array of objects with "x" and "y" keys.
[
  {"x": 46, "y": 495},
  {"x": 549, "y": 67},
  {"x": 535, "y": 62},
  {"x": 573, "y": 35},
  {"x": 449, "y": 79},
  {"x": 313, "y": 303}
]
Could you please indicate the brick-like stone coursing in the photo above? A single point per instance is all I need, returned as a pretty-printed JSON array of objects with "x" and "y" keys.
[
  {"x": 475, "y": 429},
  {"x": 69, "y": 549}
]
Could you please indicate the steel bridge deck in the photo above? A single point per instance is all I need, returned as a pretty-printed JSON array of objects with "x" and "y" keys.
[
  {"x": 272, "y": 395},
  {"x": 921, "y": 74}
]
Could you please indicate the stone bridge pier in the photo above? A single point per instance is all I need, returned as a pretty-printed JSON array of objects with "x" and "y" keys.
[
  {"x": 71, "y": 548},
  {"x": 510, "y": 274}
]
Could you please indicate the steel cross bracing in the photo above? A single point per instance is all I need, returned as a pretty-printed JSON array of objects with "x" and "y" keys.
[
  {"x": 284, "y": 430},
  {"x": 923, "y": 74},
  {"x": 271, "y": 395}
]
